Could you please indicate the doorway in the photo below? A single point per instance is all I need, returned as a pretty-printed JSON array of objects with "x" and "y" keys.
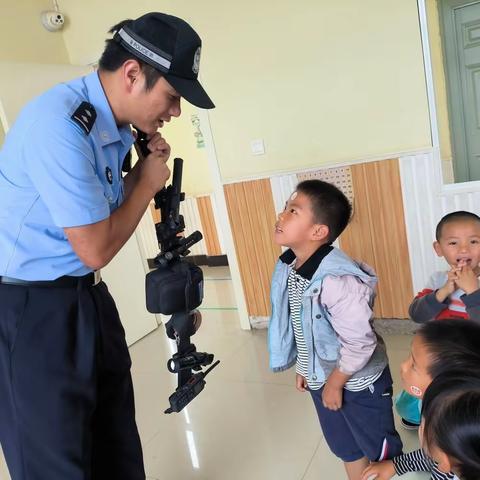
[{"x": 460, "y": 28}]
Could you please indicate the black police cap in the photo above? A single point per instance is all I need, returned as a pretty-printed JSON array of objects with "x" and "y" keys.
[{"x": 170, "y": 45}]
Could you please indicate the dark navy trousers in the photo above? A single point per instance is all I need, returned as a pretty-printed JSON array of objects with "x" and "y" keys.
[{"x": 66, "y": 398}]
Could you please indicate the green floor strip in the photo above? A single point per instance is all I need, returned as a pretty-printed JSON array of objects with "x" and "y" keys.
[
  {"x": 218, "y": 308},
  {"x": 214, "y": 278}
]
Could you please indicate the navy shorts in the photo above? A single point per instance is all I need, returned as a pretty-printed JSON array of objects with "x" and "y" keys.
[{"x": 364, "y": 426}]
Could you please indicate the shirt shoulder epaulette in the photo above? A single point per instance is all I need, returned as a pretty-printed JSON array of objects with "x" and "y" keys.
[{"x": 85, "y": 116}]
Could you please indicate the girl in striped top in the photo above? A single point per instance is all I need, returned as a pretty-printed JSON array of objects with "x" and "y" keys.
[
  {"x": 451, "y": 423},
  {"x": 439, "y": 350}
]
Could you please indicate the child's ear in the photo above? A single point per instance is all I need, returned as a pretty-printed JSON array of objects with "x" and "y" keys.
[
  {"x": 437, "y": 248},
  {"x": 421, "y": 428},
  {"x": 320, "y": 232}
]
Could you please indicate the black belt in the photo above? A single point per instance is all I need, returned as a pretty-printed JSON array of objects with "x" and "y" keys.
[{"x": 66, "y": 281}]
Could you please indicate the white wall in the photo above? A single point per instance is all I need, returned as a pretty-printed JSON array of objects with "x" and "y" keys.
[
  {"x": 22, "y": 36},
  {"x": 322, "y": 82},
  {"x": 20, "y": 82}
]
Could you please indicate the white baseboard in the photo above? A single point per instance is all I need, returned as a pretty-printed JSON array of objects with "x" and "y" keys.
[{"x": 259, "y": 322}]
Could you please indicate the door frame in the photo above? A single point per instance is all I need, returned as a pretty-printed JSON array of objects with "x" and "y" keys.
[
  {"x": 455, "y": 101},
  {"x": 432, "y": 108},
  {"x": 222, "y": 219},
  {"x": 440, "y": 187}
]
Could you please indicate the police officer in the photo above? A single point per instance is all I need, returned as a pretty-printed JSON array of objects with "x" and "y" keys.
[{"x": 66, "y": 398}]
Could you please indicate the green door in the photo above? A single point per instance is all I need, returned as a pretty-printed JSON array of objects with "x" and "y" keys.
[{"x": 461, "y": 25}]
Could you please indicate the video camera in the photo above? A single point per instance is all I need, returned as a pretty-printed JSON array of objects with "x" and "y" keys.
[{"x": 175, "y": 288}]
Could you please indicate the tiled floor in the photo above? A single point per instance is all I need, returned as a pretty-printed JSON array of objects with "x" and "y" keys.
[{"x": 248, "y": 423}]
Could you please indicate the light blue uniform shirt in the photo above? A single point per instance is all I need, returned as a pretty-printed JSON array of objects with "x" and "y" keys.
[{"x": 55, "y": 175}]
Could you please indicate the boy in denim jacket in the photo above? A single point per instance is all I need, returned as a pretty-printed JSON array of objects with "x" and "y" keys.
[{"x": 321, "y": 322}]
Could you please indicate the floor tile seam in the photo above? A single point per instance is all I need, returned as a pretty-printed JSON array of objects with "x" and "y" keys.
[
  {"x": 322, "y": 440},
  {"x": 258, "y": 382},
  {"x": 235, "y": 349}
]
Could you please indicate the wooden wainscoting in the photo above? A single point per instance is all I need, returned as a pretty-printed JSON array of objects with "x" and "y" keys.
[
  {"x": 155, "y": 212},
  {"x": 252, "y": 218},
  {"x": 377, "y": 236},
  {"x": 209, "y": 228}
]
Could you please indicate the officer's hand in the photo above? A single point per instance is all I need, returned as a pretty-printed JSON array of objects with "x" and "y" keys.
[
  {"x": 158, "y": 144},
  {"x": 155, "y": 143},
  {"x": 155, "y": 172}
]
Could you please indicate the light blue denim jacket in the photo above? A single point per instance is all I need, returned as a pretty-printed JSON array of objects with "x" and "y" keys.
[{"x": 320, "y": 337}]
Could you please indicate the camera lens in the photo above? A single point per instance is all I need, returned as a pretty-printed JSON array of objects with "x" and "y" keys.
[
  {"x": 194, "y": 360},
  {"x": 173, "y": 366}
]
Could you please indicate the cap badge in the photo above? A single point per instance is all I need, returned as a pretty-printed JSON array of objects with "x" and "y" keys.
[{"x": 196, "y": 61}]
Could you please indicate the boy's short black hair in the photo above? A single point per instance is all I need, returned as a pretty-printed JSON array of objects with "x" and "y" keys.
[
  {"x": 114, "y": 56},
  {"x": 329, "y": 205},
  {"x": 453, "y": 345},
  {"x": 454, "y": 217}
]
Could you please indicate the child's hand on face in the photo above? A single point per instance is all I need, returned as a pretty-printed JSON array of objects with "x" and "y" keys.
[
  {"x": 301, "y": 383},
  {"x": 449, "y": 287},
  {"x": 380, "y": 471},
  {"x": 477, "y": 270},
  {"x": 467, "y": 278}
]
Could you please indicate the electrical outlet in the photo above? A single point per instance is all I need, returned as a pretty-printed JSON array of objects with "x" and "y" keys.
[{"x": 257, "y": 146}]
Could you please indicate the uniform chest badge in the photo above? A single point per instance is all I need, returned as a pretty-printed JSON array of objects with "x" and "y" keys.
[{"x": 109, "y": 175}]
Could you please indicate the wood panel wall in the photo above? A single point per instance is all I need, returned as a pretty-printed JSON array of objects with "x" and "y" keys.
[
  {"x": 209, "y": 229},
  {"x": 252, "y": 218},
  {"x": 377, "y": 235},
  {"x": 155, "y": 213}
]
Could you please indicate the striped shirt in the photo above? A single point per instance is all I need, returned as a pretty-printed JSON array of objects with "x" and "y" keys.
[
  {"x": 296, "y": 287},
  {"x": 418, "y": 461}
]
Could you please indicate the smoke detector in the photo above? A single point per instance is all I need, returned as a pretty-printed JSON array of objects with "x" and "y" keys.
[{"x": 52, "y": 20}]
